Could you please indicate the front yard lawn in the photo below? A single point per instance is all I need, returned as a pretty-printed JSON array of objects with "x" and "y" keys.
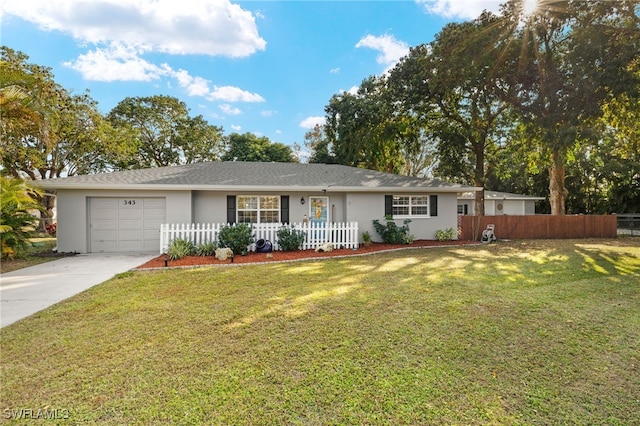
[
  {"x": 39, "y": 251},
  {"x": 532, "y": 332}
]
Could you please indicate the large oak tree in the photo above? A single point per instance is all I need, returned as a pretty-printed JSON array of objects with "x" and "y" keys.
[
  {"x": 164, "y": 133},
  {"x": 575, "y": 57}
]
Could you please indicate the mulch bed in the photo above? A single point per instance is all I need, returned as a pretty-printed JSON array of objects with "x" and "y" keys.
[{"x": 281, "y": 256}]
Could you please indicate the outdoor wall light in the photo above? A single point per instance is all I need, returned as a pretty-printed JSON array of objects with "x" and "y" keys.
[{"x": 302, "y": 201}]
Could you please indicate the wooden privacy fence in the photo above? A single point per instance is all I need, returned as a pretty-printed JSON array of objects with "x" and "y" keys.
[
  {"x": 539, "y": 226},
  {"x": 343, "y": 235}
]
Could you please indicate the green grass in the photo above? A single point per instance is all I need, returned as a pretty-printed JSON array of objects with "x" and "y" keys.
[
  {"x": 33, "y": 256},
  {"x": 538, "y": 332}
]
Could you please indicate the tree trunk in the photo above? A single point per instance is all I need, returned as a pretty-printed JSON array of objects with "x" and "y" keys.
[
  {"x": 557, "y": 191},
  {"x": 48, "y": 202},
  {"x": 478, "y": 207},
  {"x": 479, "y": 177}
]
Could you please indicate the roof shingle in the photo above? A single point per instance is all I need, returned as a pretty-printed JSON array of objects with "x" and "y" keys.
[{"x": 254, "y": 176}]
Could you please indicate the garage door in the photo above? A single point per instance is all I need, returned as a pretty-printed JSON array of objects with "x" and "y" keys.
[{"x": 125, "y": 224}]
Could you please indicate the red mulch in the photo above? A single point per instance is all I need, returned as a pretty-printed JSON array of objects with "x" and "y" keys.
[{"x": 280, "y": 256}]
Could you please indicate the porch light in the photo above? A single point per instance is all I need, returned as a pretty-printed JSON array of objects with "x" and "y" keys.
[{"x": 302, "y": 201}]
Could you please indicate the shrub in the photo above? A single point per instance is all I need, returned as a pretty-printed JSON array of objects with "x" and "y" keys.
[
  {"x": 391, "y": 233},
  {"x": 206, "y": 249},
  {"x": 180, "y": 248},
  {"x": 17, "y": 223},
  {"x": 366, "y": 238},
  {"x": 237, "y": 237},
  {"x": 445, "y": 234},
  {"x": 289, "y": 238}
]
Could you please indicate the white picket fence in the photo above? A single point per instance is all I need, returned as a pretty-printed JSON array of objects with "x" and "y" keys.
[{"x": 341, "y": 235}]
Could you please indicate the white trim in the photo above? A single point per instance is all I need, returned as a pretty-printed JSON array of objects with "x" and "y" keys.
[
  {"x": 53, "y": 184},
  {"x": 258, "y": 209}
]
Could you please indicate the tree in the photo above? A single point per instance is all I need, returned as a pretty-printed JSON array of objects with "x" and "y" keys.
[
  {"x": 521, "y": 168},
  {"x": 164, "y": 134},
  {"x": 619, "y": 150},
  {"x": 17, "y": 222},
  {"x": 46, "y": 131},
  {"x": 23, "y": 89},
  {"x": 575, "y": 56},
  {"x": 319, "y": 146},
  {"x": 360, "y": 130},
  {"x": 455, "y": 90},
  {"x": 249, "y": 147}
]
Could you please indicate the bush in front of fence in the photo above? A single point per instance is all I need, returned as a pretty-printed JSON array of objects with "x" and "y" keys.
[
  {"x": 206, "y": 249},
  {"x": 290, "y": 238},
  {"x": 445, "y": 234},
  {"x": 238, "y": 237},
  {"x": 180, "y": 248}
]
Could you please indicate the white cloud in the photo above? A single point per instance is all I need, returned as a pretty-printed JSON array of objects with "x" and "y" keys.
[
  {"x": 233, "y": 94},
  {"x": 124, "y": 63},
  {"x": 236, "y": 128},
  {"x": 310, "y": 122},
  {"x": 268, "y": 113},
  {"x": 467, "y": 9},
  {"x": 334, "y": 71},
  {"x": 208, "y": 27},
  {"x": 391, "y": 50},
  {"x": 195, "y": 86},
  {"x": 117, "y": 62},
  {"x": 120, "y": 32},
  {"x": 230, "y": 110},
  {"x": 354, "y": 90}
]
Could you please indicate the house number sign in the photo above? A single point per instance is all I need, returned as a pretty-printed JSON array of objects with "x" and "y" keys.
[{"x": 129, "y": 202}]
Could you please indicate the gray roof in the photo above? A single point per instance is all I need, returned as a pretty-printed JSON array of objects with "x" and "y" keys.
[
  {"x": 254, "y": 176},
  {"x": 495, "y": 195}
]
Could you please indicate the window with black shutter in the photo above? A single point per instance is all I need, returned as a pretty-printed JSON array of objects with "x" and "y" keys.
[
  {"x": 433, "y": 205},
  {"x": 231, "y": 209},
  {"x": 284, "y": 209}
]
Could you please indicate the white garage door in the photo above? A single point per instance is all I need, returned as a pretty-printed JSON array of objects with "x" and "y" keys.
[{"x": 125, "y": 224}]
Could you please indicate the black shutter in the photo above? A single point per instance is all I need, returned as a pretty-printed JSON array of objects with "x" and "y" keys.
[
  {"x": 284, "y": 209},
  {"x": 433, "y": 205},
  {"x": 388, "y": 205},
  {"x": 231, "y": 209}
]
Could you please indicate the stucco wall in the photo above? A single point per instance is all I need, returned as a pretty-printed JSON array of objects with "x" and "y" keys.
[
  {"x": 530, "y": 207},
  {"x": 363, "y": 208},
  {"x": 211, "y": 207},
  {"x": 513, "y": 207},
  {"x": 510, "y": 207},
  {"x": 73, "y": 225}
]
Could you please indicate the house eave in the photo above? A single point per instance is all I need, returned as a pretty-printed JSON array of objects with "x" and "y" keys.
[{"x": 53, "y": 185}]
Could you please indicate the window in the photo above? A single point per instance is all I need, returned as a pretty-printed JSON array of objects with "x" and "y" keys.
[
  {"x": 258, "y": 209},
  {"x": 411, "y": 205},
  {"x": 463, "y": 209}
]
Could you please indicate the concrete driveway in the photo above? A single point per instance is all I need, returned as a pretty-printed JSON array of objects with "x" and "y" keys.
[{"x": 29, "y": 290}]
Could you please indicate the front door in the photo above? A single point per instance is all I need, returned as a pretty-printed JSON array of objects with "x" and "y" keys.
[
  {"x": 318, "y": 210},
  {"x": 318, "y": 218}
]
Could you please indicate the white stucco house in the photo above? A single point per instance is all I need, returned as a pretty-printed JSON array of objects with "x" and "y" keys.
[
  {"x": 123, "y": 211},
  {"x": 499, "y": 203}
]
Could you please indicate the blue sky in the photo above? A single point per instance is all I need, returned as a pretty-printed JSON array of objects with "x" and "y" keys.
[{"x": 265, "y": 67}]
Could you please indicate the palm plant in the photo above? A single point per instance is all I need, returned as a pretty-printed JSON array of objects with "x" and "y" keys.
[{"x": 17, "y": 222}]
